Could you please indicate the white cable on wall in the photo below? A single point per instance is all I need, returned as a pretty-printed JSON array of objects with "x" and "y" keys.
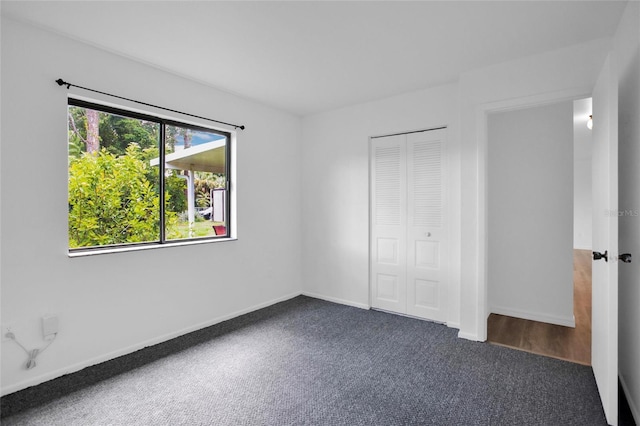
[{"x": 31, "y": 354}]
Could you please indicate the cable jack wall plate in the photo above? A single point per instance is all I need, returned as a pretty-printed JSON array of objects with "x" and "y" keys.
[{"x": 49, "y": 326}]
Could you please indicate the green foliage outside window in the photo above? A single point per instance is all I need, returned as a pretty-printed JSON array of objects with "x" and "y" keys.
[{"x": 111, "y": 201}]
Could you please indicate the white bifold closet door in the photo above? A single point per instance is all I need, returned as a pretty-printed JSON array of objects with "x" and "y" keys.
[{"x": 408, "y": 227}]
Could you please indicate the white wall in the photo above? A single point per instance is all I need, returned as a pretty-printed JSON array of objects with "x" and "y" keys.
[
  {"x": 563, "y": 74},
  {"x": 627, "y": 51},
  {"x": 582, "y": 159},
  {"x": 335, "y": 202},
  {"x": 530, "y": 213},
  {"x": 112, "y": 304}
]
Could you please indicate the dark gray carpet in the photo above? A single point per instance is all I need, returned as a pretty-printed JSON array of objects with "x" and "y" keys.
[{"x": 311, "y": 362}]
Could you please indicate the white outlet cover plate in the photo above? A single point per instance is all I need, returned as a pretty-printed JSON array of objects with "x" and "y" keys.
[
  {"x": 6, "y": 328},
  {"x": 49, "y": 325}
]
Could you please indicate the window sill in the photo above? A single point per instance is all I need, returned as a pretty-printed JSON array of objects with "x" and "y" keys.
[{"x": 151, "y": 246}]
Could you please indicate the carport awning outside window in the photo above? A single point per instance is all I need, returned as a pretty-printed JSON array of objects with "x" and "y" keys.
[{"x": 206, "y": 157}]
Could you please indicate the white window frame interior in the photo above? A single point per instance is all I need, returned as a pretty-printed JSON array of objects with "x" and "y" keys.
[{"x": 163, "y": 118}]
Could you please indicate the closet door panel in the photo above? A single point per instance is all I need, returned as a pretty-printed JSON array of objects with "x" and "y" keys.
[
  {"x": 388, "y": 223},
  {"x": 426, "y": 230}
]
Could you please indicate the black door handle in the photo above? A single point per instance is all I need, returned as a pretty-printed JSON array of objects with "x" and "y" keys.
[
  {"x": 598, "y": 256},
  {"x": 625, "y": 257}
]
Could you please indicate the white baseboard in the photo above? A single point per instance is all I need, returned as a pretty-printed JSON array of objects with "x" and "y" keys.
[
  {"x": 635, "y": 410},
  {"x": 534, "y": 316},
  {"x": 336, "y": 300},
  {"x": 130, "y": 349},
  {"x": 453, "y": 325},
  {"x": 468, "y": 336}
]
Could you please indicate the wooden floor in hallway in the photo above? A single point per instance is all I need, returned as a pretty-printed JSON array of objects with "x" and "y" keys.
[{"x": 570, "y": 344}]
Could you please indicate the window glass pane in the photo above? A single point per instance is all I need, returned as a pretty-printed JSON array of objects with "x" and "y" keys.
[
  {"x": 195, "y": 183},
  {"x": 113, "y": 188}
]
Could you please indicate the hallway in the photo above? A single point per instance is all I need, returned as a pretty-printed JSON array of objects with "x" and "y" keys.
[{"x": 570, "y": 344}]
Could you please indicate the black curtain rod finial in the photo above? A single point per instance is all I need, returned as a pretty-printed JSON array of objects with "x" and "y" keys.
[{"x": 61, "y": 82}]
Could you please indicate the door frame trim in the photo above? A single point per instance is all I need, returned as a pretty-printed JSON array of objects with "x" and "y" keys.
[{"x": 481, "y": 116}]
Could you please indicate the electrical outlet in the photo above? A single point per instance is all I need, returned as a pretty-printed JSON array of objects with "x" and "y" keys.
[{"x": 6, "y": 328}]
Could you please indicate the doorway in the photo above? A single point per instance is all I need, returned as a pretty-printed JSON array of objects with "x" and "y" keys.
[
  {"x": 555, "y": 341},
  {"x": 571, "y": 342}
]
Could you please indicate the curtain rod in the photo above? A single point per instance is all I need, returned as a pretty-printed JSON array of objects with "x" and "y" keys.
[{"x": 61, "y": 82}]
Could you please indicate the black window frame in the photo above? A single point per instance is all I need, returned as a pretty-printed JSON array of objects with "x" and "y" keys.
[{"x": 162, "y": 121}]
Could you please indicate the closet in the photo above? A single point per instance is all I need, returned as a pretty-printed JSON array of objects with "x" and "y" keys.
[{"x": 408, "y": 232}]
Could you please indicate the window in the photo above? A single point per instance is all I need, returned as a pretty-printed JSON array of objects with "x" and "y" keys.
[{"x": 139, "y": 179}]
